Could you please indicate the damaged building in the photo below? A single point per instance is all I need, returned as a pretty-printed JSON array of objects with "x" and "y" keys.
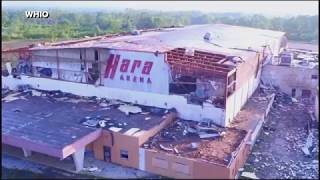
[
  {"x": 295, "y": 72},
  {"x": 194, "y": 80},
  {"x": 203, "y": 71}
]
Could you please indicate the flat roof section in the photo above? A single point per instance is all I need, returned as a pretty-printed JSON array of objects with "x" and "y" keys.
[
  {"x": 226, "y": 39},
  {"x": 50, "y": 122},
  {"x": 36, "y": 124}
]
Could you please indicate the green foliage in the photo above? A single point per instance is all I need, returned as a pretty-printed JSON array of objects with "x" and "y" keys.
[{"x": 62, "y": 24}]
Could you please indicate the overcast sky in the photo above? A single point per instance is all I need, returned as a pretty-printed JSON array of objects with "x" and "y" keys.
[{"x": 270, "y": 8}]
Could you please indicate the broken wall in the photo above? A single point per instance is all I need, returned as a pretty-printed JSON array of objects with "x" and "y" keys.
[
  {"x": 290, "y": 78},
  {"x": 246, "y": 83},
  {"x": 171, "y": 165},
  {"x": 67, "y": 60},
  {"x": 185, "y": 110}
]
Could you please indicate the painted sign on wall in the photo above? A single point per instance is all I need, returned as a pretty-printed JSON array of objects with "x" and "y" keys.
[
  {"x": 142, "y": 71},
  {"x": 128, "y": 65}
]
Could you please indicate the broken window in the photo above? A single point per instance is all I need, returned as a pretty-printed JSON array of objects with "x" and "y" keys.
[
  {"x": 96, "y": 55},
  {"x": 306, "y": 93},
  {"x": 124, "y": 154},
  {"x": 183, "y": 85},
  {"x": 293, "y": 92},
  {"x": 44, "y": 72}
]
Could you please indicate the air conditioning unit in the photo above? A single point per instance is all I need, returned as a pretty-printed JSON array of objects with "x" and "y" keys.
[{"x": 207, "y": 36}]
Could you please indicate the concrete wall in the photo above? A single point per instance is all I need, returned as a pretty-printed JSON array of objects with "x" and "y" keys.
[
  {"x": 129, "y": 77},
  {"x": 235, "y": 101},
  {"x": 156, "y": 81},
  {"x": 287, "y": 78}
]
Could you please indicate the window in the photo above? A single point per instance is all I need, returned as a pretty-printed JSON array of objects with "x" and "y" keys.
[
  {"x": 124, "y": 154},
  {"x": 306, "y": 93},
  {"x": 314, "y": 76},
  {"x": 96, "y": 55},
  {"x": 160, "y": 163},
  {"x": 293, "y": 92}
]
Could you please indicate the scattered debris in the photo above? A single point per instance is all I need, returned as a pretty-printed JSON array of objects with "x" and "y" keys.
[
  {"x": 147, "y": 118},
  {"x": 73, "y": 137},
  {"x": 165, "y": 148},
  {"x": 12, "y": 97},
  {"x": 192, "y": 130},
  {"x": 204, "y": 135},
  {"x": 294, "y": 100},
  {"x": 92, "y": 169},
  {"x": 102, "y": 123},
  {"x": 91, "y": 123},
  {"x": 129, "y": 109},
  {"x": 104, "y": 104},
  {"x": 194, "y": 145},
  {"x": 249, "y": 175},
  {"x": 36, "y": 93},
  {"x": 115, "y": 129}
]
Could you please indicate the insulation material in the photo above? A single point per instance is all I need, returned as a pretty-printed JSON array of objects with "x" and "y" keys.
[{"x": 137, "y": 71}]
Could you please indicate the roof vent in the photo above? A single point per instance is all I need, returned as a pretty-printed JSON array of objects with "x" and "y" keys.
[{"x": 207, "y": 36}]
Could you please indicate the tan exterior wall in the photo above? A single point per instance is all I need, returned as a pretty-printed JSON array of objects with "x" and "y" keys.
[
  {"x": 130, "y": 143},
  {"x": 180, "y": 167},
  {"x": 287, "y": 78}
]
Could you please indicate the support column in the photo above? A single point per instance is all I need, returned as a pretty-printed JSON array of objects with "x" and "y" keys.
[
  {"x": 26, "y": 152},
  {"x": 78, "y": 159}
]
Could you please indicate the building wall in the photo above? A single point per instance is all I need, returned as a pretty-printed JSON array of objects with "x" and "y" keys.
[
  {"x": 185, "y": 110},
  {"x": 174, "y": 166},
  {"x": 316, "y": 110},
  {"x": 288, "y": 78},
  {"x": 156, "y": 81},
  {"x": 235, "y": 101}
]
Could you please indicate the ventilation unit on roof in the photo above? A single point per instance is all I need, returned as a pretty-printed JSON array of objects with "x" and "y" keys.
[
  {"x": 207, "y": 36},
  {"x": 189, "y": 52}
]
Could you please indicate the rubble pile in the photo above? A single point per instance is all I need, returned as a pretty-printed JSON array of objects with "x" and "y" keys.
[
  {"x": 288, "y": 145},
  {"x": 198, "y": 140}
]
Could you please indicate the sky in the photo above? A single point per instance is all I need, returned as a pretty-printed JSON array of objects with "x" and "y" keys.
[{"x": 268, "y": 8}]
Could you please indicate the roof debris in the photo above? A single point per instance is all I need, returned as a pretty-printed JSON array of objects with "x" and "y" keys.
[{"x": 127, "y": 109}]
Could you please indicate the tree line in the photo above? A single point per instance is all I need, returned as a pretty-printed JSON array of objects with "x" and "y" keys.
[{"x": 63, "y": 24}]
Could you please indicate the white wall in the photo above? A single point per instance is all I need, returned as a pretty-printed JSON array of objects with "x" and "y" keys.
[
  {"x": 186, "y": 111},
  {"x": 236, "y": 101},
  {"x": 69, "y": 71},
  {"x": 159, "y": 74}
]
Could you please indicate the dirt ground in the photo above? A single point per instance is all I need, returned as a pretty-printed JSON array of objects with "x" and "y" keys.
[{"x": 277, "y": 152}]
